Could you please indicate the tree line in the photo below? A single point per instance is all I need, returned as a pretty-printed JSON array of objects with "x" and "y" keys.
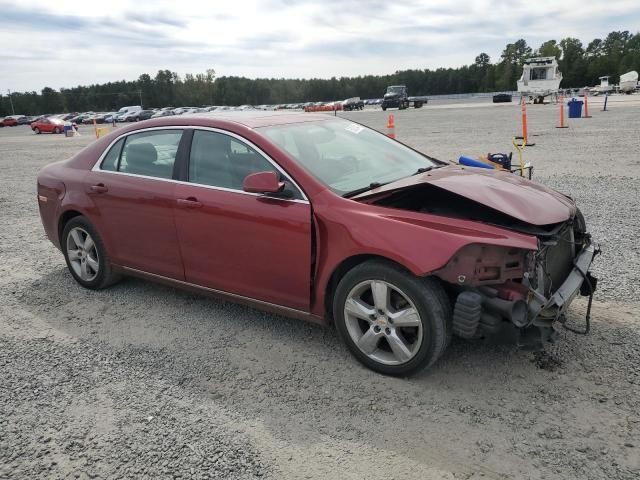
[{"x": 580, "y": 65}]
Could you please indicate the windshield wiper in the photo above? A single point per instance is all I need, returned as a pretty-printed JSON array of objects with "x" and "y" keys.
[
  {"x": 426, "y": 169},
  {"x": 421, "y": 170},
  {"x": 378, "y": 184},
  {"x": 355, "y": 192}
]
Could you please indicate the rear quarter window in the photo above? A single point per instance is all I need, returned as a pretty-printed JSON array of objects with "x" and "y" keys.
[{"x": 110, "y": 161}]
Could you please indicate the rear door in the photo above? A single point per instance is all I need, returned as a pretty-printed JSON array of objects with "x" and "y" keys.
[
  {"x": 238, "y": 242},
  {"x": 134, "y": 193}
]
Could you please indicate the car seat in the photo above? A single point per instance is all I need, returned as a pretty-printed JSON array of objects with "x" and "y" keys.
[
  {"x": 140, "y": 159},
  {"x": 210, "y": 163}
]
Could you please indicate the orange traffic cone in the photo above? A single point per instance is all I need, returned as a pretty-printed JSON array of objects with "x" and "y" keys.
[{"x": 391, "y": 127}]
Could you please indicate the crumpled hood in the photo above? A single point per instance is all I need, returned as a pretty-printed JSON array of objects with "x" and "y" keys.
[{"x": 505, "y": 192}]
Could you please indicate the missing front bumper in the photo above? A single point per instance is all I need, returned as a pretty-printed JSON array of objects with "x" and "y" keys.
[
  {"x": 480, "y": 313},
  {"x": 544, "y": 310}
]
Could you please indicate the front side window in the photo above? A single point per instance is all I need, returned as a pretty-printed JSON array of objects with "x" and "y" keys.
[
  {"x": 219, "y": 160},
  {"x": 150, "y": 153}
]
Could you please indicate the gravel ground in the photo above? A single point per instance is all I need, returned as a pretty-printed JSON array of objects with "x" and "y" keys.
[{"x": 142, "y": 380}]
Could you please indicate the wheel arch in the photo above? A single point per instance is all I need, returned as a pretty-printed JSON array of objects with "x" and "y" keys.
[
  {"x": 341, "y": 270},
  {"x": 64, "y": 219}
]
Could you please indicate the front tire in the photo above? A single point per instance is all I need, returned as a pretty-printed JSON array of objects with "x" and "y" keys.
[
  {"x": 392, "y": 321},
  {"x": 86, "y": 255},
  {"x": 36, "y": 131}
]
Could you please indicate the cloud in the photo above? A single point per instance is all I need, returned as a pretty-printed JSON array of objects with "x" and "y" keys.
[{"x": 64, "y": 44}]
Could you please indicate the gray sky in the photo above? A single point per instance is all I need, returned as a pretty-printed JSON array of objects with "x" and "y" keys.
[{"x": 69, "y": 43}]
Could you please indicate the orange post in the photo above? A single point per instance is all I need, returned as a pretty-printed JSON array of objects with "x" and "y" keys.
[
  {"x": 525, "y": 130},
  {"x": 391, "y": 127},
  {"x": 525, "y": 135},
  {"x": 95, "y": 127},
  {"x": 562, "y": 125},
  {"x": 586, "y": 105}
]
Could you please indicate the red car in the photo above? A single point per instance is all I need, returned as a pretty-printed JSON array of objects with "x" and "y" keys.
[
  {"x": 9, "y": 122},
  {"x": 48, "y": 125},
  {"x": 322, "y": 219}
]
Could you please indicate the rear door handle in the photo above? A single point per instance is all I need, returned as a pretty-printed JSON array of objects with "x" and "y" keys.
[
  {"x": 99, "y": 188},
  {"x": 190, "y": 202}
]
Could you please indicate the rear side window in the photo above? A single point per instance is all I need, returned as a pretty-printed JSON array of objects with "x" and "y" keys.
[
  {"x": 150, "y": 153},
  {"x": 110, "y": 161}
]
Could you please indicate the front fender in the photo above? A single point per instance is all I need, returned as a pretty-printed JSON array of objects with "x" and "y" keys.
[{"x": 422, "y": 243}]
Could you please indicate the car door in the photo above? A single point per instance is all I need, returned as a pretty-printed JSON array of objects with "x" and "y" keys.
[
  {"x": 133, "y": 191},
  {"x": 241, "y": 243}
]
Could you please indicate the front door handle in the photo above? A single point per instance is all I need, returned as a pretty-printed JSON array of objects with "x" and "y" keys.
[
  {"x": 189, "y": 202},
  {"x": 99, "y": 188}
]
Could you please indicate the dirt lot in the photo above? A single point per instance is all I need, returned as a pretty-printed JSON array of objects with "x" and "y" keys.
[{"x": 142, "y": 380}]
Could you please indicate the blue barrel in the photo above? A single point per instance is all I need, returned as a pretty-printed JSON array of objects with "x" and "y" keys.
[
  {"x": 472, "y": 162},
  {"x": 575, "y": 108}
]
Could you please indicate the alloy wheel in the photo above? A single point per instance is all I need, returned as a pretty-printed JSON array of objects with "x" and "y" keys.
[
  {"x": 383, "y": 322},
  {"x": 83, "y": 254}
]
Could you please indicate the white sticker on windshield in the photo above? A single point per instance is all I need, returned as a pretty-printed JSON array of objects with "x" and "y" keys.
[{"x": 354, "y": 128}]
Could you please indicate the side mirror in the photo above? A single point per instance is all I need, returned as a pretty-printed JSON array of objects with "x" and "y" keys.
[{"x": 263, "y": 182}]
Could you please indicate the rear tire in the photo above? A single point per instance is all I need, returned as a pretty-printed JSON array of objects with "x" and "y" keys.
[
  {"x": 86, "y": 255},
  {"x": 56, "y": 130},
  {"x": 404, "y": 333}
]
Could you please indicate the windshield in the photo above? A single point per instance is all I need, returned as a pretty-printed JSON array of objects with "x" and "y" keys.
[
  {"x": 347, "y": 156},
  {"x": 394, "y": 89}
]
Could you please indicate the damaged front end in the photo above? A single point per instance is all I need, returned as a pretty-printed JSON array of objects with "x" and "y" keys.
[
  {"x": 518, "y": 295},
  {"x": 503, "y": 293}
]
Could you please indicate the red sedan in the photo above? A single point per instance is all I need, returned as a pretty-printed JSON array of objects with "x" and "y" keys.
[
  {"x": 9, "y": 122},
  {"x": 322, "y": 219},
  {"x": 48, "y": 125}
]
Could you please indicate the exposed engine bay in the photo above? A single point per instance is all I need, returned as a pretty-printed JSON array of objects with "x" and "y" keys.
[{"x": 508, "y": 293}]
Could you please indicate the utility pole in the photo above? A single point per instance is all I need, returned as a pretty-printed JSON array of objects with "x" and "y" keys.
[{"x": 13, "y": 112}]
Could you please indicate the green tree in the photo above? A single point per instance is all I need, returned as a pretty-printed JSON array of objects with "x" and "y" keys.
[{"x": 549, "y": 49}]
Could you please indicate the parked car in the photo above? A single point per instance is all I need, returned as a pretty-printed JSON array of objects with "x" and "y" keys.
[
  {"x": 353, "y": 104},
  {"x": 9, "y": 122},
  {"x": 143, "y": 115},
  {"x": 80, "y": 118},
  {"x": 109, "y": 117},
  {"x": 49, "y": 125},
  {"x": 163, "y": 113},
  {"x": 34, "y": 118},
  {"x": 129, "y": 109},
  {"x": 324, "y": 220},
  {"x": 89, "y": 119},
  {"x": 502, "y": 98}
]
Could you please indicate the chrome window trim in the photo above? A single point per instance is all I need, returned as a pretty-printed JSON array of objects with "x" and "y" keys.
[{"x": 96, "y": 166}]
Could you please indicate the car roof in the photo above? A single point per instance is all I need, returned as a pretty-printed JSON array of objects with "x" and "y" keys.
[{"x": 257, "y": 118}]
